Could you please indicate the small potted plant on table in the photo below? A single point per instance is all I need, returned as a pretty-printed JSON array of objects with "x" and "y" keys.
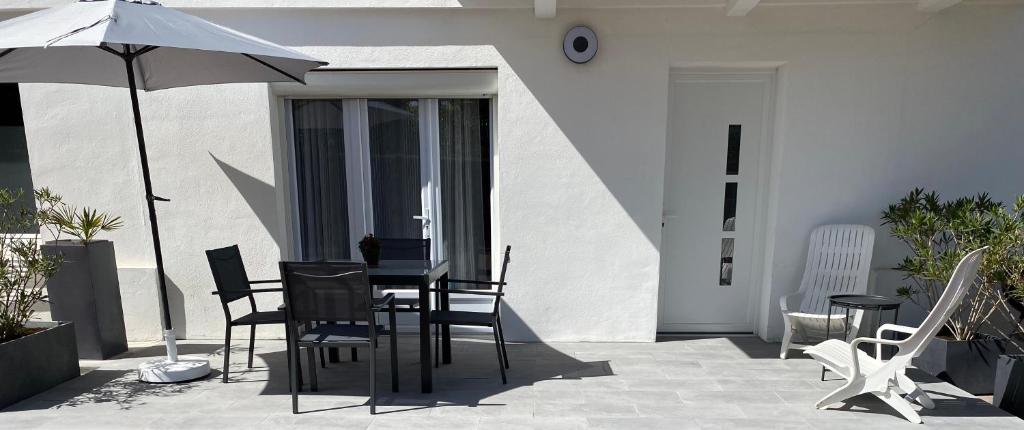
[
  {"x": 939, "y": 233},
  {"x": 369, "y": 246},
  {"x": 34, "y": 355}
]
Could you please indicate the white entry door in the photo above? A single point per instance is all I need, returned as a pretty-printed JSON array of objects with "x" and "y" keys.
[{"x": 712, "y": 173}]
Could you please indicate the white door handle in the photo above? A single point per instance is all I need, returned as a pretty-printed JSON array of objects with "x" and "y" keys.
[{"x": 424, "y": 218}]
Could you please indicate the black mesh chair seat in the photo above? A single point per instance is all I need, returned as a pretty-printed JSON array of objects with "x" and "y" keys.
[
  {"x": 462, "y": 318},
  {"x": 409, "y": 302},
  {"x": 269, "y": 317},
  {"x": 337, "y": 333}
]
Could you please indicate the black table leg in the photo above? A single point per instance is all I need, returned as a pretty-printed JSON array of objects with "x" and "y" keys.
[
  {"x": 426, "y": 378},
  {"x": 332, "y": 353},
  {"x": 446, "y": 330},
  {"x": 828, "y": 333}
]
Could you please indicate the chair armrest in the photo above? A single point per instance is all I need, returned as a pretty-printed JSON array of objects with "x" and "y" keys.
[
  {"x": 896, "y": 328},
  {"x": 791, "y": 302},
  {"x": 879, "y": 342},
  {"x": 253, "y": 290},
  {"x": 266, "y": 281},
  {"x": 473, "y": 292},
  {"x": 890, "y": 327},
  {"x": 474, "y": 282}
]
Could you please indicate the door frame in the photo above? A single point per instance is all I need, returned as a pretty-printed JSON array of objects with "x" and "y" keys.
[{"x": 766, "y": 176}]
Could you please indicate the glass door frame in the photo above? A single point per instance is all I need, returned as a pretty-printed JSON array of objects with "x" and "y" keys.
[{"x": 358, "y": 173}]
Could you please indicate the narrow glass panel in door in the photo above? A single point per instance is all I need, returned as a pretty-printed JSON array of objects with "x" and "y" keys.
[
  {"x": 319, "y": 151},
  {"x": 394, "y": 133},
  {"x": 464, "y": 130}
]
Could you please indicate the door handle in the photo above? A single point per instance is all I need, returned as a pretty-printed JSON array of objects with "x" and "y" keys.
[{"x": 424, "y": 218}]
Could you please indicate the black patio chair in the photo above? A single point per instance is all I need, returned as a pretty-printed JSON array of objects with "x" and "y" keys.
[
  {"x": 318, "y": 292},
  {"x": 233, "y": 284},
  {"x": 480, "y": 319},
  {"x": 405, "y": 249}
]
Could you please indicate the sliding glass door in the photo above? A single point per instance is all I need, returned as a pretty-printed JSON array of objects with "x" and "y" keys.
[{"x": 398, "y": 168}]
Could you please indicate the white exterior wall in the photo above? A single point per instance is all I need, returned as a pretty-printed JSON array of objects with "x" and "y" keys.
[{"x": 872, "y": 101}]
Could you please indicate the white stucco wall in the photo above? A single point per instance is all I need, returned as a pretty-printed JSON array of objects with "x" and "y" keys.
[{"x": 873, "y": 100}]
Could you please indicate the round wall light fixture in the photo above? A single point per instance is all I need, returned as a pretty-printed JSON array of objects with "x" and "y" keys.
[{"x": 580, "y": 44}]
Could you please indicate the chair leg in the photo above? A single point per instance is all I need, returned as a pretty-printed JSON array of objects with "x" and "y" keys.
[
  {"x": 787, "y": 337},
  {"x": 840, "y": 394},
  {"x": 501, "y": 358},
  {"x": 900, "y": 405},
  {"x": 437, "y": 345},
  {"x": 394, "y": 351},
  {"x": 914, "y": 392},
  {"x": 252, "y": 343},
  {"x": 227, "y": 351},
  {"x": 501, "y": 335},
  {"x": 373, "y": 380},
  {"x": 293, "y": 369},
  {"x": 355, "y": 351},
  {"x": 311, "y": 358}
]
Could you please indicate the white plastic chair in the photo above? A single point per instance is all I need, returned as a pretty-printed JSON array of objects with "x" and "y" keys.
[
  {"x": 838, "y": 262},
  {"x": 887, "y": 379}
]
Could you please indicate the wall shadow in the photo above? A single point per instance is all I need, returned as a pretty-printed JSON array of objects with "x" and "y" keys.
[
  {"x": 258, "y": 195},
  {"x": 558, "y": 87}
]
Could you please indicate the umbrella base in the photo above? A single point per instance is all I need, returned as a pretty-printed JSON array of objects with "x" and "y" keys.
[{"x": 164, "y": 371}]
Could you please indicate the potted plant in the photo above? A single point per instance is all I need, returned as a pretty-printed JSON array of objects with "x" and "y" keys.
[
  {"x": 86, "y": 290},
  {"x": 369, "y": 246},
  {"x": 34, "y": 356},
  {"x": 938, "y": 234}
]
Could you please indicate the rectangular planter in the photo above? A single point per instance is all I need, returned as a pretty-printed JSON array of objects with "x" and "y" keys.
[
  {"x": 968, "y": 364},
  {"x": 1009, "y": 384},
  {"x": 86, "y": 291},
  {"x": 35, "y": 363}
]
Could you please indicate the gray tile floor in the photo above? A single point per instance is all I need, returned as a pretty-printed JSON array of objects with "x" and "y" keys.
[{"x": 677, "y": 383}]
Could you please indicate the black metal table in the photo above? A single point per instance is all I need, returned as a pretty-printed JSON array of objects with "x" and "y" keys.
[
  {"x": 859, "y": 302},
  {"x": 420, "y": 274}
]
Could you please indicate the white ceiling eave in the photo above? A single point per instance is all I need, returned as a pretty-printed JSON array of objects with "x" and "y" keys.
[
  {"x": 539, "y": 7},
  {"x": 427, "y": 83}
]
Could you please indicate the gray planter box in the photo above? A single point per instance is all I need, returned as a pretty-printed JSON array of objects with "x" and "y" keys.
[
  {"x": 1009, "y": 384},
  {"x": 35, "y": 363},
  {"x": 86, "y": 292},
  {"x": 968, "y": 364}
]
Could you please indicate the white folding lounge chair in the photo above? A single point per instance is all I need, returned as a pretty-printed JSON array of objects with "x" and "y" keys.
[
  {"x": 838, "y": 262},
  {"x": 887, "y": 379}
]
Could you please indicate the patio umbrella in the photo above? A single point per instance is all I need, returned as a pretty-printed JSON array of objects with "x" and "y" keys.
[{"x": 140, "y": 44}]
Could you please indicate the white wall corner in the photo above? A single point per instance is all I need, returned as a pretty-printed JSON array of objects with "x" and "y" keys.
[
  {"x": 741, "y": 7},
  {"x": 933, "y": 6},
  {"x": 544, "y": 8}
]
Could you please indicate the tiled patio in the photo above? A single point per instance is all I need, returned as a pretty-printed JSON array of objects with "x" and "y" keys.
[{"x": 677, "y": 383}]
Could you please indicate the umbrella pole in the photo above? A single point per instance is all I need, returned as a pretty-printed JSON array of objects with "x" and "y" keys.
[
  {"x": 169, "y": 337},
  {"x": 172, "y": 369}
]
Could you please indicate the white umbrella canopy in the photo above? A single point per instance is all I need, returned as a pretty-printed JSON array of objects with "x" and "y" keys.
[
  {"x": 141, "y": 44},
  {"x": 62, "y": 44}
]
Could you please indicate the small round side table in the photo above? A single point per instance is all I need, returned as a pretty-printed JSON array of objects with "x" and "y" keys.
[{"x": 859, "y": 302}]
